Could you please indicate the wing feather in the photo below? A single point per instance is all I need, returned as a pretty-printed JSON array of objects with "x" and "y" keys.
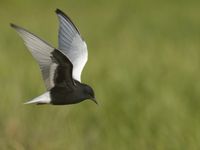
[
  {"x": 41, "y": 51},
  {"x": 71, "y": 44}
]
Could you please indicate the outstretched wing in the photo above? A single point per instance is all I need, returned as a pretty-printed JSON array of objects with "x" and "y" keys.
[
  {"x": 41, "y": 51},
  {"x": 71, "y": 44}
]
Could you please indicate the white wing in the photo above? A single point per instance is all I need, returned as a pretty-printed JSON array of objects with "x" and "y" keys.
[
  {"x": 71, "y": 44},
  {"x": 41, "y": 51}
]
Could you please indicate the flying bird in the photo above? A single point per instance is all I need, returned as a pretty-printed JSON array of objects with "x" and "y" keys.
[{"x": 61, "y": 67}]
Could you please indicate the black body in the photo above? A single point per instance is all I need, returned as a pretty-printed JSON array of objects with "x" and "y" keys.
[{"x": 66, "y": 89}]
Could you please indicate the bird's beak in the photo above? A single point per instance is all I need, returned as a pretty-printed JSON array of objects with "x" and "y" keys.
[{"x": 94, "y": 100}]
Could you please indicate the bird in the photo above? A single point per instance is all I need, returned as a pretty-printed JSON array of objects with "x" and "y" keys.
[{"x": 61, "y": 67}]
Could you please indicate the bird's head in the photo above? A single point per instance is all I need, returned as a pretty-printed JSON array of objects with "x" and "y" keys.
[{"x": 89, "y": 93}]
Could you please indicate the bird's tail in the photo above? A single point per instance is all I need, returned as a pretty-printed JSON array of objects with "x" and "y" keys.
[{"x": 42, "y": 99}]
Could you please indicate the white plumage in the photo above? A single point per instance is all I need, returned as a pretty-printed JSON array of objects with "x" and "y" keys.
[{"x": 42, "y": 99}]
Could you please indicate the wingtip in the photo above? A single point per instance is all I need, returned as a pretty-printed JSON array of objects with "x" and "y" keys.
[
  {"x": 13, "y": 25},
  {"x": 58, "y": 11}
]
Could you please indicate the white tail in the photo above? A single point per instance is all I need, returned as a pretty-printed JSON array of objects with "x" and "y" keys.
[{"x": 42, "y": 99}]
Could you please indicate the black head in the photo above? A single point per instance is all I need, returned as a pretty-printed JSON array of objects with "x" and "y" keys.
[{"x": 89, "y": 92}]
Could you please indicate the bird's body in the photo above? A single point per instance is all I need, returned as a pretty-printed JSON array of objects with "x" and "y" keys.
[
  {"x": 62, "y": 94},
  {"x": 61, "y": 68}
]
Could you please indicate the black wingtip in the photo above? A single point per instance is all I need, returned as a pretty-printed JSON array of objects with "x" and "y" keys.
[
  {"x": 14, "y": 26},
  {"x": 58, "y": 11}
]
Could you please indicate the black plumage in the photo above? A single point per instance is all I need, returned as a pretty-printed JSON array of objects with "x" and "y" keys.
[{"x": 67, "y": 90}]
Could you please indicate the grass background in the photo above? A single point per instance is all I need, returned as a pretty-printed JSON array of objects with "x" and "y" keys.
[{"x": 144, "y": 64}]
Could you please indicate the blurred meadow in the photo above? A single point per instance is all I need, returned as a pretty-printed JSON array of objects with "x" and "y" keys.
[{"x": 144, "y": 64}]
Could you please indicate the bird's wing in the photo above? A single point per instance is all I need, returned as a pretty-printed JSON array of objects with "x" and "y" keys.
[
  {"x": 41, "y": 51},
  {"x": 71, "y": 44},
  {"x": 63, "y": 72}
]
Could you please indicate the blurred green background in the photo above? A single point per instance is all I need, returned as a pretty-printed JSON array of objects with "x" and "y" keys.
[{"x": 144, "y": 64}]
